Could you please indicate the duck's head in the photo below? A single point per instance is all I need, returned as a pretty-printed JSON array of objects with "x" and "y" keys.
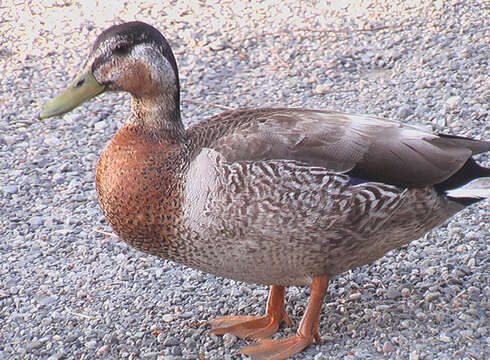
[{"x": 132, "y": 57}]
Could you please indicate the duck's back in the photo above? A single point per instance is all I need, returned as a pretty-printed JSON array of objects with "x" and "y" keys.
[{"x": 378, "y": 149}]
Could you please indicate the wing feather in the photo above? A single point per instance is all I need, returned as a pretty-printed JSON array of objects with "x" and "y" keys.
[{"x": 381, "y": 150}]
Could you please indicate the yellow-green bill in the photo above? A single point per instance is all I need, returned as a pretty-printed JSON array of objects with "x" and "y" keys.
[{"x": 83, "y": 88}]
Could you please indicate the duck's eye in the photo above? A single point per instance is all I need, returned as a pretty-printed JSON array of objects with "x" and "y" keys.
[{"x": 121, "y": 49}]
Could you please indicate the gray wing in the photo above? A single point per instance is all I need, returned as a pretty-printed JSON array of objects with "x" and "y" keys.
[{"x": 380, "y": 150}]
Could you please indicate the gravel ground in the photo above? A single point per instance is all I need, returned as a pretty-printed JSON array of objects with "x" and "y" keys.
[{"x": 69, "y": 290}]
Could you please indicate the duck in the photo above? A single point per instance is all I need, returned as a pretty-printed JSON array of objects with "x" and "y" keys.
[{"x": 274, "y": 196}]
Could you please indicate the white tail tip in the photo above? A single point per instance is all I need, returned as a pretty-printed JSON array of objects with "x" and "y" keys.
[{"x": 477, "y": 189}]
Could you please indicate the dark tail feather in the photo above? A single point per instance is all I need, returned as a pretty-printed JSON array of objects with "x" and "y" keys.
[
  {"x": 470, "y": 171},
  {"x": 476, "y": 146},
  {"x": 458, "y": 186}
]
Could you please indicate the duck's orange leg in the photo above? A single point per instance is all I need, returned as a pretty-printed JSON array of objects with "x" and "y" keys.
[
  {"x": 255, "y": 327},
  {"x": 307, "y": 333}
]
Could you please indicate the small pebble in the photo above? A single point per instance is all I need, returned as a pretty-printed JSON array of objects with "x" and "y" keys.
[
  {"x": 322, "y": 89},
  {"x": 405, "y": 324},
  {"x": 393, "y": 293},
  {"x": 171, "y": 341},
  {"x": 404, "y": 111},
  {"x": 10, "y": 189},
  {"x": 453, "y": 101},
  {"x": 430, "y": 296},
  {"x": 103, "y": 350},
  {"x": 388, "y": 347},
  {"x": 355, "y": 296},
  {"x": 91, "y": 344},
  {"x": 229, "y": 339},
  {"x": 444, "y": 338},
  {"x": 218, "y": 45}
]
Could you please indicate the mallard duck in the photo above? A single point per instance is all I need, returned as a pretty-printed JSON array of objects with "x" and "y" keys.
[{"x": 276, "y": 196}]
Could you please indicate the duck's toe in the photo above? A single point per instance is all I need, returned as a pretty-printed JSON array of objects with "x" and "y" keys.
[
  {"x": 268, "y": 349},
  {"x": 246, "y": 327}
]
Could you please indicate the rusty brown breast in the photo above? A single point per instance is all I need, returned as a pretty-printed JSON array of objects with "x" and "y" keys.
[{"x": 139, "y": 190}]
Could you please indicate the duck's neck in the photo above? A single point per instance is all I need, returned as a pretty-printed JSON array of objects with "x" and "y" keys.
[{"x": 159, "y": 115}]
